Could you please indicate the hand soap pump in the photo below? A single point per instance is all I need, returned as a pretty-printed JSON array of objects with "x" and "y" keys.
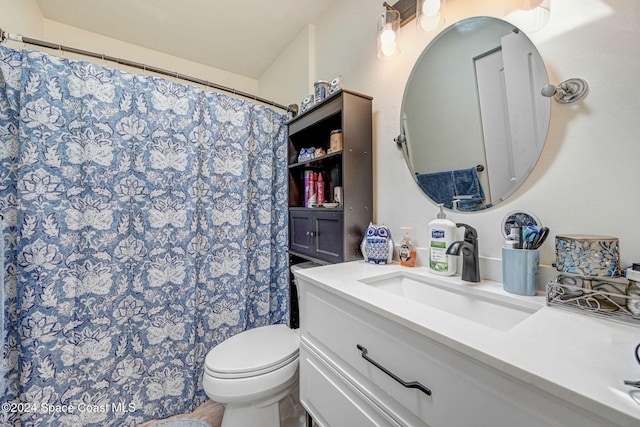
[
  {"x": 442, "y": 233},
  {"x": 407, "y": 250}
]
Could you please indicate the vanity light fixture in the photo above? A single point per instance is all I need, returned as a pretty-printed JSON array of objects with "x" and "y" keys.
[
  {"x": 429, "y": 14},
  {"x": 388, "y": 26},
  {"x": 568, "y": 91}
]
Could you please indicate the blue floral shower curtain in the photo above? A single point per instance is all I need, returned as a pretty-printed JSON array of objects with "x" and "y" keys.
[{"x": 145, "y": 222}]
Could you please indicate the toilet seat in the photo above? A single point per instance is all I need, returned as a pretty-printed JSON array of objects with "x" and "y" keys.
[{"x": 254, "y": 352}]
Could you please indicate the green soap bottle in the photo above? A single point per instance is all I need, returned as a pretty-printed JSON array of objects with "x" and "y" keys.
[{"x": 442, "y": 233}]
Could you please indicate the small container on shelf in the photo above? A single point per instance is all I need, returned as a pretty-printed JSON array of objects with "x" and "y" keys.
[
  {"x": 307, "y": 103},
  {"x": 337, "y": 194},
  {"x": 312, "y": 190},
  {"x": 321, "y": 89},
  {"x": 307, "y": 183},
  {"x": 306, "y": 154},
  {"x": 336, "y": 85},
  {"x": 320, "y": 187},
  {"x": 335, "y": 141}
]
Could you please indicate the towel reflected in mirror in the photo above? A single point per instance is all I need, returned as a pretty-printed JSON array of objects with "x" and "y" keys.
[{"x": 446, "y": 187}]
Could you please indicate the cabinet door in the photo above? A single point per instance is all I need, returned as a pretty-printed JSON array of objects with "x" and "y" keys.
[
  {"x": 328, "y": 236},
  {"x": 300, "y": 232}
]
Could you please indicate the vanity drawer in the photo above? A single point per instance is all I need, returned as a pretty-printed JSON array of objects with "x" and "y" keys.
[
  {"x": 463, "y": 392},
  {"x": 331, "y": 401}
]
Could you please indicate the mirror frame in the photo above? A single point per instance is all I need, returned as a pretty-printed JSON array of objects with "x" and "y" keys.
[{"x": 449, "y": 70}]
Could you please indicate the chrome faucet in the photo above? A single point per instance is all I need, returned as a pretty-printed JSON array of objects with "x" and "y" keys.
[{"x": 469, "y": 248}]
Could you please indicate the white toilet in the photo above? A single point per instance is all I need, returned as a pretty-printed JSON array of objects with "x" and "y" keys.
[{"x": 255, "y": 374}]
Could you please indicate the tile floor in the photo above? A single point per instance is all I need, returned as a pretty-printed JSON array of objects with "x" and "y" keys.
[{"x": 210, "y": 412}]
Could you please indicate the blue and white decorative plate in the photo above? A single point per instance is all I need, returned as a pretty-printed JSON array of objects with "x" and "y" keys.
[{"x": 519, "y": 219}]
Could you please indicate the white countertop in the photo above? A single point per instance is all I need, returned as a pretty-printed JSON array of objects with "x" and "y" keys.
[{"x": 578, "y": 358}]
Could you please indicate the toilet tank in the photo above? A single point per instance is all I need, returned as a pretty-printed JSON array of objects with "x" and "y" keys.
[{"x": 294, "y": 318}]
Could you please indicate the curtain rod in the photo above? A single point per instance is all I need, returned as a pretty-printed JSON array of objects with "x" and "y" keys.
[{"x": 19, "y": 38}]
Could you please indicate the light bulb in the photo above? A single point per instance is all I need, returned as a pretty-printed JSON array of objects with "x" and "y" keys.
[
  {"x": 431, "y": 7},
  {"x": 429, "y": 23},
  {"x": 388, "y": 49},
  {"x": 530, "y": 16},
  {"x": 388, "y": 36}
]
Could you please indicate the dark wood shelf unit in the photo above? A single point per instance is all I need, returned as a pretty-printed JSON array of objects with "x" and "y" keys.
[{"x": 330, "y": 235}]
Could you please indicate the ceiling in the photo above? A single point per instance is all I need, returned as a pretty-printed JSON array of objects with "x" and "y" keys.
[{"x": 242, "y": 37}]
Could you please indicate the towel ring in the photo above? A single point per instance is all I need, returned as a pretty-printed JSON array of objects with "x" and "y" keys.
[{"x": 568, "y": 91}]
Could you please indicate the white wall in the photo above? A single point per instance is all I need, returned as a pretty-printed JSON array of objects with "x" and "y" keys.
[
  {"x": 24, "y": 17},
  {"x": 289, "y": 75},
  {"x": 588, "y": 178}
]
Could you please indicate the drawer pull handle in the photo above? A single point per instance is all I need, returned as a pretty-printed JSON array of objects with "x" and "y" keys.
[{"x": 412, "y": 384}]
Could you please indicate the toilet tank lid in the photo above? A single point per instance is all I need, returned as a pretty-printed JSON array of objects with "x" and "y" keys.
[
  {"x": 254, "y": 350},
  {"x": 304, "y": 265}
]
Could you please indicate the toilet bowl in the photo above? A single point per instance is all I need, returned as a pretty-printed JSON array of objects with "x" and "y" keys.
[{"x": 255, "y": 374}]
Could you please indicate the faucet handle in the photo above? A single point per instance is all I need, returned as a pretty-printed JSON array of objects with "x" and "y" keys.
[{"x": 470, "y": 233}]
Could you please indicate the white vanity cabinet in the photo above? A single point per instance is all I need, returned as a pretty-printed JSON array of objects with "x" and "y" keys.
[{"x": 338, "y": 387}]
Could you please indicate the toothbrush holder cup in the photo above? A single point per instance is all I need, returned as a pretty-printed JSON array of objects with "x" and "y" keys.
[{"x": 520, "y": 271}]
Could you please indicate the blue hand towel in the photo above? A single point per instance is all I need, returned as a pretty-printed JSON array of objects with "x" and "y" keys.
[{"x": 445, "y": 187}]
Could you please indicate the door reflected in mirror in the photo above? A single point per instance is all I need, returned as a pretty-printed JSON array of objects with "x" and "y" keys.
[{"x": 473, "y": 119}]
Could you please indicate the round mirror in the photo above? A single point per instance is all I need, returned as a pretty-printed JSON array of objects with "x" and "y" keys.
[{"x": 474, "y": 120}]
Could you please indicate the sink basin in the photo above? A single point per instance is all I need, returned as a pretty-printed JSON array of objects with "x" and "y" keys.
[{"x": 497, "y": 311}]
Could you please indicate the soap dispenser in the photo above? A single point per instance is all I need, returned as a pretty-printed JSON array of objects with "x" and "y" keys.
[
  {"x": 442, "y": 233},
  {"x": 407, "y": 250}
]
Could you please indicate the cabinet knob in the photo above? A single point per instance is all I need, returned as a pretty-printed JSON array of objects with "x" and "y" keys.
[{"x": 312, "y": 233}]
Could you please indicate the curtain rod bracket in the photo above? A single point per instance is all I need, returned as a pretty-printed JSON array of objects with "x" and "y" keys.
[{"x": 13, "y": 37}]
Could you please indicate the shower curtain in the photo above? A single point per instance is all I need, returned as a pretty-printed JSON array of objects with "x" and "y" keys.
[{"x": 145, "y": 222}]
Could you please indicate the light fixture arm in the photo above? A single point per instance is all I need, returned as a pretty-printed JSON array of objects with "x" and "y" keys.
[
  {"x": 388, "y": 6},
  {"x": 568, "y": 91}
]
